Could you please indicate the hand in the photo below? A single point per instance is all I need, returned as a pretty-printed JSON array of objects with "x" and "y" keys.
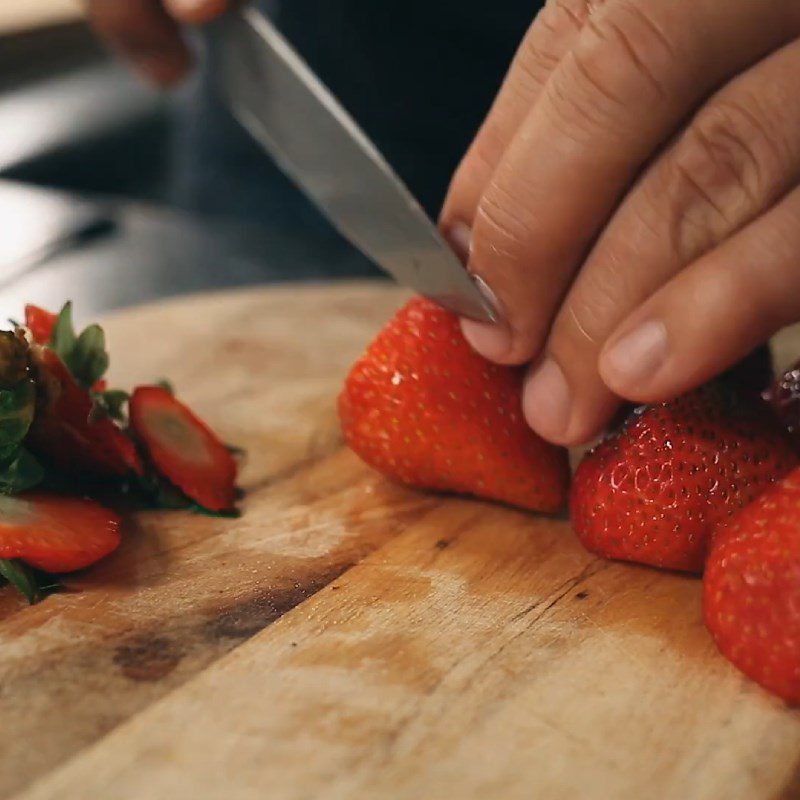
[
  {"x": 147, "y": 32},
  {"x": 632, "y": 200}
]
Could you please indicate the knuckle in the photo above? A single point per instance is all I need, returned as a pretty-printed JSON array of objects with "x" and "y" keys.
[
  {"x": 560, "y": 17},
  {"x": 549, "y": 38},
  {"x": 723, "y": 170},
  {"x": 621, "y": 58}
]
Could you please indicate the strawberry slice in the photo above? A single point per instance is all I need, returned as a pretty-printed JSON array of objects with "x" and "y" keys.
[
  {"x": 65, "y": 432},
  {"x": 40, "y": 322},
  {"x": 56, "y": 533},
  {"x": 183, "y": 448}
]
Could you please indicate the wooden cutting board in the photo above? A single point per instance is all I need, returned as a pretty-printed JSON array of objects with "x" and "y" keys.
[{"x": 348, "y": 638}]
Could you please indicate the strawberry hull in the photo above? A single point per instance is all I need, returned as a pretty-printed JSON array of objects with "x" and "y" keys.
[{"x": 67, "y": 436}]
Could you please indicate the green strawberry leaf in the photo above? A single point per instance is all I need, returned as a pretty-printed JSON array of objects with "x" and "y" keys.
[
  {"x": 21, "y": 471},
  {"x": 110, "y": 403},
  {"x": 22, "y": 577},
  {"x": 85, "y": 356},
  {"x": 166, "y": 385},
  {"x": 89, "y": 359},
  {"x": 63, "y": 338},
  {"x": 17, "y": 406}
]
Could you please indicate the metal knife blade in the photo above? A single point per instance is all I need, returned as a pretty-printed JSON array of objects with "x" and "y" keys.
[{"x": 287, "y": 109}]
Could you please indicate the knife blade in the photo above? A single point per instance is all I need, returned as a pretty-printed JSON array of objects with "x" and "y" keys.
[{"x": 287, "y": 109}]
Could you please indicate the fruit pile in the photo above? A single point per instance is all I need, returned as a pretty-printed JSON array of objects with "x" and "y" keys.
[
  {"x": 64, "y": 433},
  {"x": 707, "y": 483}
]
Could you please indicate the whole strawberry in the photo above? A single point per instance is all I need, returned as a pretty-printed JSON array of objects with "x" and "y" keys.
[
  {"x": 422, "y": 408},
  {"x": 751, "y": 589},
  {"x": 784, "y": 398},
  {"x": 654, "y": 491}
]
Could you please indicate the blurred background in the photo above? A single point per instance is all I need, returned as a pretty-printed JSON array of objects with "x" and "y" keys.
[
  {"x": 114, "y": 193},
  {"x": 89, "y": 208}
]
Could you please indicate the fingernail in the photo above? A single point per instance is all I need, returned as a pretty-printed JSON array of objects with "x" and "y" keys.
[
  {"x": 186, "y": 6},
  {"x": 492, "y": 341},
  {"x": 459, "y": 237},
  {"x": 547, "y": 400},
  {"x": 636, "y": 357},
  {"x": 196, "y": 11}
]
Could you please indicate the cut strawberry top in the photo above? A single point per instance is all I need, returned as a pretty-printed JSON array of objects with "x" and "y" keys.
[
  {"x": 183, "y": 449},
  {"x": 40, "y": 323},
  {"x": 66, "y": 434},
  {"x": 56, "y": 533}
]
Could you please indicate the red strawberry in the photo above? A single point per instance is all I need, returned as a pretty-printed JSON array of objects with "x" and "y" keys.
[
  {"x": 784, "y": 397},
  {"x": 421, "y": 407},
  {"x": 751, "y": 589},
  {"x": 65, "y": 432},
  {"x": 40, "y": 323},
  {"x": 183, "y": 448},
  {"x": 653, "y": 492},
  {"x": 55, "y": 533}
]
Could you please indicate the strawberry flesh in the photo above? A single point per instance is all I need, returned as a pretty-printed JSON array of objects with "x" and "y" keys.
[
  {"x": 183, "y": 448},
  {"x": 55, "y": 533},
  {"x": 65, "y": 433},
  {"x": 40, "y": 323}
]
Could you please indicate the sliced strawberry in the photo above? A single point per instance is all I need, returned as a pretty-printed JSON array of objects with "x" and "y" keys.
[
  {"x": 183, "y": 449},
  {"x": 65, "y": 432},
  {"x": 56, "y": 533},
  {"x": 40, "y": 323}
]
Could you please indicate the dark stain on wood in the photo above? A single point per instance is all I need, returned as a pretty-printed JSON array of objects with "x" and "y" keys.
[
  {"x": 147, "y": 658},
  {"x": 247, "y": 618},
  {"x": 791, "y": 789},
  {"x": 582, "y": 595}
]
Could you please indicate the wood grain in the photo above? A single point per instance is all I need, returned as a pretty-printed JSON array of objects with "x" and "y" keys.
[
  {"x": 482, "y": 653},
  {"x": 470, "y": 651},
  {"x": 185, "y": 589}
]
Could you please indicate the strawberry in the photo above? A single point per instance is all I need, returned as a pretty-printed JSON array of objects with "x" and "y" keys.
[
  {"x": 784, "y": 398},
  {"x": 751, "y": 589},
  {"x": 183, "y": 449},
  {"x": 67, "y": 433},
  {"x": 422, "y": 408},
  {"x": 653, "y": 491},
  {"x": 40, "y": 323},
  {"x": 55, "y": 533}
]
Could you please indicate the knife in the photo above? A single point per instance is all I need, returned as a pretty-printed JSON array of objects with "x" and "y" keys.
[{"x": 286, "y": 108}]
